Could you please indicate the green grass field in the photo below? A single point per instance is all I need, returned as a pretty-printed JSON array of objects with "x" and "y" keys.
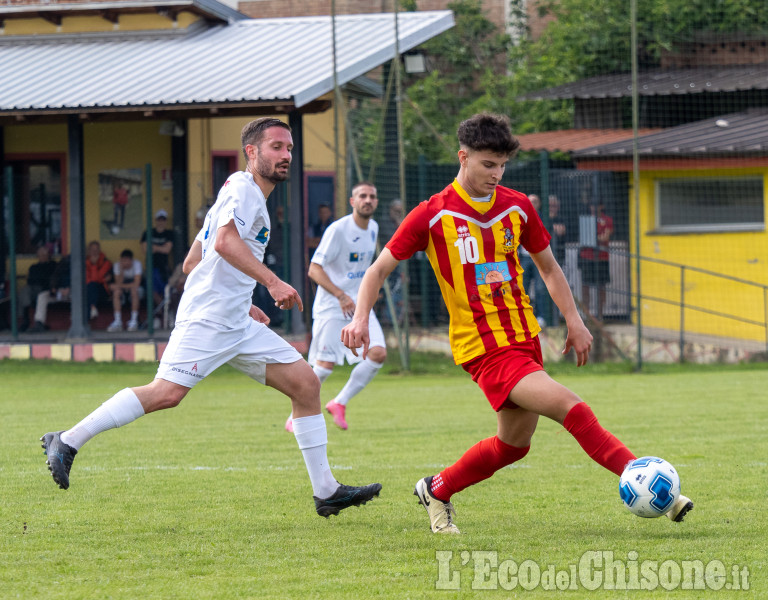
[{"x": 212, "y": 500}]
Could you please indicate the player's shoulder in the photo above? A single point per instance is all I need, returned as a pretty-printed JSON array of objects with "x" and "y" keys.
[
  {"x": 339, "y": 224},
  {"x": 509, "y": 195},
  {"x": 240, "y": 183}
]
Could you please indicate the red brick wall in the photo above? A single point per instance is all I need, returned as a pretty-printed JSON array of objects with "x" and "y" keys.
[{"x": 263, "y": 9}]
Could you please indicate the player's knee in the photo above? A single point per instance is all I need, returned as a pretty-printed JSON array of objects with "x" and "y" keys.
[
  {"x": 377, "y": 354},
  {"x": 306, "y": 389}
]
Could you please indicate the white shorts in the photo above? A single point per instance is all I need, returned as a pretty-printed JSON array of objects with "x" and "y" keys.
[
  {"x": 197, "y": 348},
  {"x": 327, "y": 345}
]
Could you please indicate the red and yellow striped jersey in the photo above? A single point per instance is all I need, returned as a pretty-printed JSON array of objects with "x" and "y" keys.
[{"x": 472, "y": 247}]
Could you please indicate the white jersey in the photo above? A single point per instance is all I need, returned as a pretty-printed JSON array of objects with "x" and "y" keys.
[
  {"x": 215, "y": 290},
  {"x": 345, "y": 252}
]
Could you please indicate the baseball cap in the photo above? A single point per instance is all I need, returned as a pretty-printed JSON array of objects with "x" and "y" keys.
[{"x": 161, "y": 214}]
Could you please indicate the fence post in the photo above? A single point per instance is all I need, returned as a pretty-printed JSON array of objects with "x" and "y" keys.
[
  {"x": 765, "y": 315},
  {"x": 9, "y": 195},
  {"x": 426, "y": 316},
  {"x": 150, "y": 265},
  {"x": 682, "y": 314}
]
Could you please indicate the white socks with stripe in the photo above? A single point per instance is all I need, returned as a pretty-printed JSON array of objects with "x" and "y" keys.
[
  {"x": 312, "y": 438},
  {"x": 121, "y": 409},
  {"x": 361, "y": 376}
]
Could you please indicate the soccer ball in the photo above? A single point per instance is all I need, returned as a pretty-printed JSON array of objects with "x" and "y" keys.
[
  {"x": 115, "y": 230},
  {"x": 649, "y": 486}
]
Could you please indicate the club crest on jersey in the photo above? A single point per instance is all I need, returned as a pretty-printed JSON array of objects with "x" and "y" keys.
[
  {"x": 354, "y": 257},
  {"x": 263, "y": 235},
  {"x": 509, "y": 239}
]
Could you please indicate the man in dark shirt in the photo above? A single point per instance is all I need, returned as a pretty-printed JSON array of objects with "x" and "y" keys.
[
  {"x": 162, "y": 245},
  {"x": 38, "y": 280}
]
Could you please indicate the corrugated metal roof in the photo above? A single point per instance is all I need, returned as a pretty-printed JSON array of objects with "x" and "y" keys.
[
  {"x": 744, "y": 134},
  {"x": 287, "y": 59},
  {"x": 569, "y": 140},
  {"x": 661, "y": 83}
]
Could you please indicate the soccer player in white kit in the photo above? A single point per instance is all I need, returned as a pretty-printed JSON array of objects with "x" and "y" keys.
[
  {"x": 346, "y": 250},
  {"x": 216, "y": 324}
]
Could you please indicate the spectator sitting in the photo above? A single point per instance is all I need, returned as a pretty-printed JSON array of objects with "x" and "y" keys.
[
  {"x": 57, "y": 292},
  {"x": 98, "y": 274},
  {"x": 38, "y": 280},
  {"x": 126, "y": 287}
]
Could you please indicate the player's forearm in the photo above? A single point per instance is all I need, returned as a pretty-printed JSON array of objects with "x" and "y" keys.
[
  {"x": 233, "y": 249},
  {"x": 372, "y": 281},
  {"x": 320, "y": 277},
  {"x": 193, "y": 258}
]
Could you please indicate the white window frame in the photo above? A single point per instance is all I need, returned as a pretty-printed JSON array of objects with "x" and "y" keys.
[{"x": 701, "y": 227}]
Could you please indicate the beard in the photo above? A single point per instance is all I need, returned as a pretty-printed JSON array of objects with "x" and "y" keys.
[
  {"x": 270, "y": 172},
  {"x": 365, "y": 211}
]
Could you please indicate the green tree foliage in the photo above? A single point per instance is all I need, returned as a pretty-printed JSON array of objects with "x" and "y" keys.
[
  {"x": 460, "y": 61},
  {"x": 474, "y": 67}
]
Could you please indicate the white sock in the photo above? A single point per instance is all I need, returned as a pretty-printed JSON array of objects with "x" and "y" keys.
[
  {"x": 121, "y": 409},
  {"x": 118, "y": 317},
  {"x": 322, "y": 373},
  {"x": 312, "y": 438},
  {"x": 134, "y": 315},
  {"x": 361, "y": 376}
]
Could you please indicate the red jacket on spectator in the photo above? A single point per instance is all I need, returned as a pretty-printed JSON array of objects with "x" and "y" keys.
[{"x": 98, "y": 271}]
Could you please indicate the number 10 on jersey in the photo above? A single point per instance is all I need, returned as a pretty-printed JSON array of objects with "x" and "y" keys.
[{"x": 469, "y": 249}]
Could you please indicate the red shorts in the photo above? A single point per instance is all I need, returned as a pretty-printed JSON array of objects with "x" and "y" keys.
[{"x": 498, "y": 371}]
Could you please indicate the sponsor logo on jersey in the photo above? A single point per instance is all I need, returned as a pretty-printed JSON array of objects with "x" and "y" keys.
[
  {"x": 191, "y": 373},
  {"x": 493, "y": 272},
  {"x": 355, "y": 239},
  {"x": 263, "y": 235}
]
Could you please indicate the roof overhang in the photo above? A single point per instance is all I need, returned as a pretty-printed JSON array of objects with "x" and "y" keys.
[{"x": 249, "y": 66}]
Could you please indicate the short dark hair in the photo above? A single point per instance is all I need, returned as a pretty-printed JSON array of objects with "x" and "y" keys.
[
  {"x": 486, "y": 131},
  {"x": 253, "y": 132},
  {"x": 127, "y": 253},
  {"x": 361, "y": 184}
]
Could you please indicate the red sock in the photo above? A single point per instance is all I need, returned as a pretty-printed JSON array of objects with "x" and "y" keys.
[
  {"x": 479, "y": 462},
  {"x": 600, "y": 444}
]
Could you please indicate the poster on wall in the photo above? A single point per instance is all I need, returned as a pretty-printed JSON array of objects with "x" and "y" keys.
[{"x": 121, "y": 204}]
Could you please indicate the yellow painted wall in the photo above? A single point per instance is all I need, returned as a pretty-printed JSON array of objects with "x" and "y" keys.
[
  {"x": 124, "y": 145},
  {"x": 138, "y": 22},
  {"x": 742, "y": 255}
]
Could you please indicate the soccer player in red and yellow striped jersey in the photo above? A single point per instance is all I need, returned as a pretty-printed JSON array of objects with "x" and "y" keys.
[{"x": 471, "y": 232}]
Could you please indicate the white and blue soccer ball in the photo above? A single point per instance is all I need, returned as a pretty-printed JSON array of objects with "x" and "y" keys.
[{"x": 649, "y": 486}]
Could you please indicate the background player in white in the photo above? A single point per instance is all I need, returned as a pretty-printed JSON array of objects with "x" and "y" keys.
[
  {"x": 338, "y": 265},
  {"x": 216, "y": 324}
]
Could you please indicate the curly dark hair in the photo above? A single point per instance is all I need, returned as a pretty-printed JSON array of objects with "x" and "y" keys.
[{"x": 486, "y": 131}]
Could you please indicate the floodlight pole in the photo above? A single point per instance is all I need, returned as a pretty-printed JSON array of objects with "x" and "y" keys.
[
  {"x": 636, "y": 181},
  {"x": 405, "y": 356},
  {"x": 336, "y": 98}
]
